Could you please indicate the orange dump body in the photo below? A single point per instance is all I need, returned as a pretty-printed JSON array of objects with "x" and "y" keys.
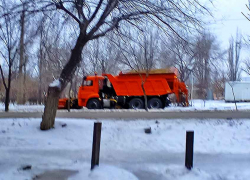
[
  {"x": 131, "y": 84},
  {"x": 155, "y": 85}
]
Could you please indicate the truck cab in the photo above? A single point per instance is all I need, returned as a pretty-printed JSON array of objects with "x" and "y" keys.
[{"x": 89, "y": 92}]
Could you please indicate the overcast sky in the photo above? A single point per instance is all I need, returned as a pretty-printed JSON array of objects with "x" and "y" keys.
[{"x": 227, "y": 18}]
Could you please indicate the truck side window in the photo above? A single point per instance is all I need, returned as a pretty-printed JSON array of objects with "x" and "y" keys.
[{"x": 88, "y": 83}]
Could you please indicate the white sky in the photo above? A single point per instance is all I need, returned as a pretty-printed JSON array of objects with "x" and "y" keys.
[{"x": 227, "y": 18}]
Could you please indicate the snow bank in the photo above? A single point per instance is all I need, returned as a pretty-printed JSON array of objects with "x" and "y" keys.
[
  {"x": 196, "y": 105},
  {"x": 211, "y": 136},
  {"x": 104, "y": 172},
  {"x": 221, "y": 149},
  {"x": 181, "y": 173}
]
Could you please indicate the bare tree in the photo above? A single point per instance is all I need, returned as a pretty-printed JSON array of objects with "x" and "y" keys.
[
  {"x": 246, "y": 69},
  {"x": 207, "y": 55},
  {"x": 218, "y": 82},
  {"x": 234, "y": 57},
  {"x": 9, "y": 41},
  {"x": 110, "y": 56},
  {"x": 52, "y": 54},
  {"x": 180, "y": 55}
]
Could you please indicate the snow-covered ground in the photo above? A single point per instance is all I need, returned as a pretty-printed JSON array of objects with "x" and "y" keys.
[
  {"x": 195, "y": 105},
  {"x": 221, "y": 149}
]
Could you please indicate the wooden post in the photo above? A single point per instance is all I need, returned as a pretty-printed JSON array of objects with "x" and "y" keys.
[
  {"x": 96, "y": 144},
  {"x": 189, "y": 149}
]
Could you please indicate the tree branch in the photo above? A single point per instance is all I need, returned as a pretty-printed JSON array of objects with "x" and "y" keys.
[
  {"x": 60, "y": 5},
  {"x": 96, "y": 10}
]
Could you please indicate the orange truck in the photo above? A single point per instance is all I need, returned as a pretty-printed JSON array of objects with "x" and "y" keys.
[{"x": 125, "y": 91}]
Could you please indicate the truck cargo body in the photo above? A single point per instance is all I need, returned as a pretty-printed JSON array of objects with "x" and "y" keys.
[
  {"x": 125, "y": 91},
  {"x": 237, "y": 91},
  {"x": 130, "y": 85}
]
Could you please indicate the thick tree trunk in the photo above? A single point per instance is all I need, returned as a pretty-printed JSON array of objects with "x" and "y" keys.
[
  {"x": 66, "y": 76},
  {"x": 50, "y": 108}
]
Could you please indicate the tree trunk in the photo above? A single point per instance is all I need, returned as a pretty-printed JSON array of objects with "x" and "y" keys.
[
  {"x": 7, "y": 99},
  {"x": 66, "y": 76},
  {"x": 7, "y": 94},
  {"x": 24, "y": 80},
  {"x": 145, "y": 96},
  {"x": 51, "y": 105},
  {"x": 20, "y": 94},
  {"x": 234, "y": 96},
  {"x": 40, "y": 87},
  {"x": 40, "y": 65},
  {"x": 70, "y": 87}
]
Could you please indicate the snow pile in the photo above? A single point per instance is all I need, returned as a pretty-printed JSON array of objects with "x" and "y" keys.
[
  {"x": 55, "y": 83},
  {"x": 181, "y": 173},
  {"x": 104, "y": 173}
]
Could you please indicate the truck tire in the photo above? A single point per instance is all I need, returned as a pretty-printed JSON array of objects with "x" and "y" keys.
[
  {"x": 136, "y": 103},
  {"x": 94, "y": 104},
  {"x": 154, "y": 103}
]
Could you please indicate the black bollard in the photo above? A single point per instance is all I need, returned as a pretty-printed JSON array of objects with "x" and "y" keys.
[
  {"x": 189, "y": 149},
  {"x": 96, "y": 144}
]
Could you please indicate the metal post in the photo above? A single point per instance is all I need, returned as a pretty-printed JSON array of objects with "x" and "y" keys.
[
  {"x": 192, "y": 87},
  {"x": 96, "y": 144},
  {"x": 189, "y": 149}
]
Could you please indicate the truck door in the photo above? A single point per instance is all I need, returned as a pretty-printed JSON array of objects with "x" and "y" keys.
[{"x": 85, "y": 91}]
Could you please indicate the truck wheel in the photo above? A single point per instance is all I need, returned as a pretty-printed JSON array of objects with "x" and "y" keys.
[
  {"x": 154, "y": 103},
  {"x": 136, "y": 103},
  {"x": 94, "y": 104}
]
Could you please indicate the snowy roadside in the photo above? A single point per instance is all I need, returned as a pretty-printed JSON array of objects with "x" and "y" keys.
[
  {"x": 221, "y": 149},
  {"x": 195, "y": 105}
]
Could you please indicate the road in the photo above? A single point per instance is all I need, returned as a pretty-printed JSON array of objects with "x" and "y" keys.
[{"x": 134, "y": 115}]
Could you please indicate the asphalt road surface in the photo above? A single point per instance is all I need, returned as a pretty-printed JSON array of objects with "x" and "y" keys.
[{"x": 135, "y": 115}]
